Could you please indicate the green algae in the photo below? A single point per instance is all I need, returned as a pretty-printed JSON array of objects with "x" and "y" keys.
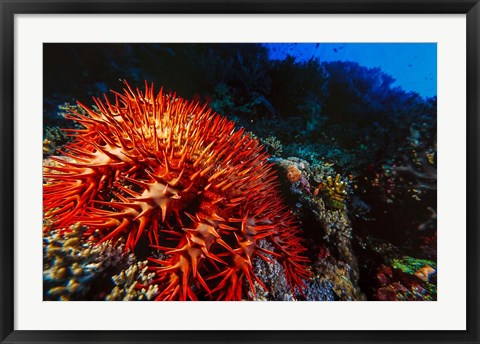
[{"x": 410, "y": 265}]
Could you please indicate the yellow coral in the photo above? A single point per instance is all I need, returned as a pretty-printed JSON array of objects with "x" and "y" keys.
[
  {"x": 334, "y": 190},
  {"x": 337, "y": 189}
]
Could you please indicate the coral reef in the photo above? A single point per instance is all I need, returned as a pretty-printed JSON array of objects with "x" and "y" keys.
[
  {"x": 329, "y": 230},
  {"x": 297, "y": 173},
  {"x": 407, "y": 279},
  {"x": 72, "y": 268},
  {"x": 192, "y": 202},
  {"x": 412, "y": 266},
  {"x": 53, "y": 138},
  {"x": 134, "y": 284},
  {"x": 204, "y": 194},
  {"x": 337, "y": 276},
  {"x": 273, "y": 145},
  {"x": 335, "y": 192},
  {"x": 272, "y": 275}
]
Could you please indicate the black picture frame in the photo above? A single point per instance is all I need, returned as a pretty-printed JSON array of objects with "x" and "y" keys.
[{"x": 8, "y": 10}]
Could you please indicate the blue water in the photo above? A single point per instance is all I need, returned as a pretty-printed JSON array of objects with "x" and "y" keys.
[{"x": 412, "y": 65}]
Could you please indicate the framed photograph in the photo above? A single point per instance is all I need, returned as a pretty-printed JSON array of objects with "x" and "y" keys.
[{"x": 239, "y": 171}]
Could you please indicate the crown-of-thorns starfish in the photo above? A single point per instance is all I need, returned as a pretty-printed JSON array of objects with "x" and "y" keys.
[{"x": 202, "y": 192}]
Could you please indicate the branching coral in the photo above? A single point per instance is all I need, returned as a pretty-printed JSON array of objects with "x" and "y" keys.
[
  {"x": 335, "y": 192},
  {"x": 70, "y": 267},
  {"x": 53, "y": 137},
  {"x": 203, "y": 193},
  {"x": 128, "y": 284}
]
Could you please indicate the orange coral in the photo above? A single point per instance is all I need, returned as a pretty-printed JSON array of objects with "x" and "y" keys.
[
  {"x": 424, "y": 272},
  {"x": 203, "y": 193},
  {"x": 293, "y": 174}
]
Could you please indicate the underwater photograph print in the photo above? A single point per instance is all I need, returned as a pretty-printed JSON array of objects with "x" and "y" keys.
[{"x": 240, "y": 172}]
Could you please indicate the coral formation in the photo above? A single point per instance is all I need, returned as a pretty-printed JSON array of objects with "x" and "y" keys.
[
  {"x": 53, "y": 137},
  {"x": 297, "y": 173},
  {"x": 327, "y": 226},
  {"x": 71, "y": 268},
  {"x": 204, "y": 194},
  {"x": 272, "y": 275},
  {"x": 118, "y": 175},
  {"x": 294, "y": 174},
  {"x": 134, "y": 284},
  {"x": 407, "y": 279},
  {"x": 335, "y": 192},
  {"x": 337, "y": 275},
  {"x": 411, "y": 265},
  {"x": 273, "y": 145}
]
